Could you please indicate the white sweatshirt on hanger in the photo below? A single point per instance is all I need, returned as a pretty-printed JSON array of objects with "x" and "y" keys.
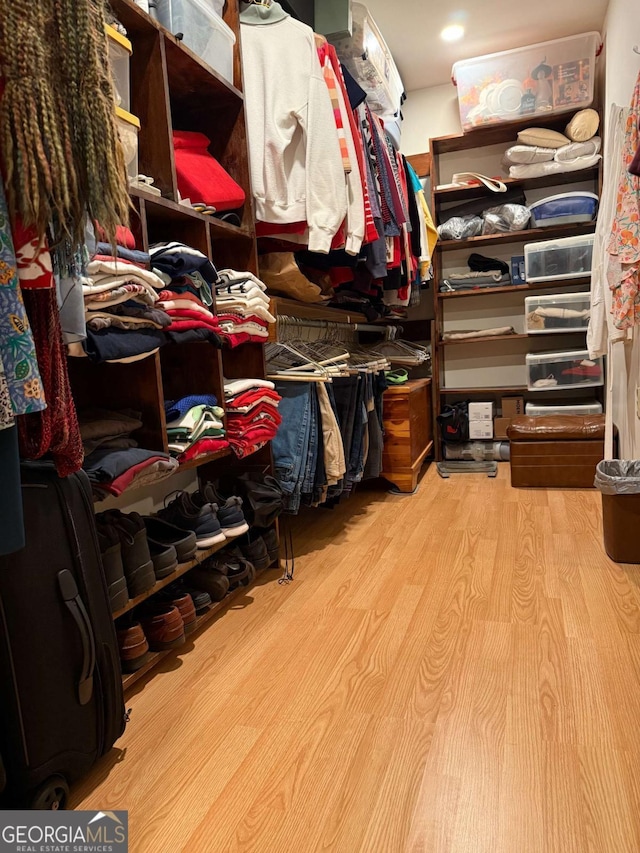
[{"x": 296, "y": 165}]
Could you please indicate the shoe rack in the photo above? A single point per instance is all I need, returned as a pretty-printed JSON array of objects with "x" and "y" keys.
[
  {"x": 171, "y": 87},
  {"x": 455, "y": 153}
]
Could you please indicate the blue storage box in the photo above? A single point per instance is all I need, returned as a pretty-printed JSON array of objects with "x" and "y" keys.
[{"x": 564, "y": 209}]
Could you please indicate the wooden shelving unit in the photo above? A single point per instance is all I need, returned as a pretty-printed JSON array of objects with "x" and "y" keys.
[
  {"x": 486, "y": 339},
  {"x": 443, "y": 198},
  {"x": 130, "y": 678},
  {"x": 514, "y": 288},
  {"x": 182, "y": 569},
  {"x": 530, "y": 235},
  {"x": 172, "y": 88}
]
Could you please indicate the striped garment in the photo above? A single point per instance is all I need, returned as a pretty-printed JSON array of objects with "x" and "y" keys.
[{"x": 332, "y": 86}]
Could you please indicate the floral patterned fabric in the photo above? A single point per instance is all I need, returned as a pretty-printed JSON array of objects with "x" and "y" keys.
[
  {"x": 623, "y": 271},
  {"x": 17, "y": 349},
  {"x": 6, "y": 409}
]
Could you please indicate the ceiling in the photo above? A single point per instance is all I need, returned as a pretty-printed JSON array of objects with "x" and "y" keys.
[{"x": 411, "y": 29}]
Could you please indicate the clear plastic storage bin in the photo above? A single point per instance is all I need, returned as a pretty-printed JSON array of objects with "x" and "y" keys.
[
  {"x": 540, "y": 80},
  {"x": 203, "y": 30},
  {"x": 553, "y": 371},
  {"x": 560, "y": 312},
  {"x": 128, "y": 130},
  {"x": 552, "y": 260},
  {"x": 120, "y": 51},
  {"x": 368, "y": 58},
  {"x": 540, "y": 410}
]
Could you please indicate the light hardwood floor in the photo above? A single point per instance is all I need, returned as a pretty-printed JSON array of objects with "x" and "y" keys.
[{"x": 455, "y": 671}]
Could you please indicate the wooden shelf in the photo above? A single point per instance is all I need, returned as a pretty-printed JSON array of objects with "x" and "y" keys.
[
  {"x": 182, "y": 569},
  {"x": 165, "y": 210},
  {"x": 452, "y": 194},
  {"x": 281, "y": 306},
  {"x": 191, "y": 79},
  {"x": 530, "y": 235},
  {"x": 130, "y": 678},
  {"x": 485, "y": 339},
  {"x": 205, "y": 459},
  {"x": 515, "y": 288},
  {"x": 480, "y": 137},
  {"x": 513, "y": 389}
]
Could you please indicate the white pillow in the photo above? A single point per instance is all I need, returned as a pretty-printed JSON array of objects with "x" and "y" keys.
[
  {"x": 538, "y": 170},
  {"x": 526, "y": 154},
  {"x": 568, "y": 153}
]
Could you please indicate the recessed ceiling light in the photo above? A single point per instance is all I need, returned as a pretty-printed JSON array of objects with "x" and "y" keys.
[{"x": 453, "y": 32}]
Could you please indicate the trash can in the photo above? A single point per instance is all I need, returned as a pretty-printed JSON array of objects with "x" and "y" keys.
[{"x": 619, "y": 483}]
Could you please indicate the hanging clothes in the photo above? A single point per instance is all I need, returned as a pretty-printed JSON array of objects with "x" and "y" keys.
[
  {"x": 17, "y": 348},
  {"x": 623, "y": 271},
  {"x": 296, "y": 164}
]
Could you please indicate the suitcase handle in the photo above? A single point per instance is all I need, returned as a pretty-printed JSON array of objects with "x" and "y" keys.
[{"x": 75, "y": 605}]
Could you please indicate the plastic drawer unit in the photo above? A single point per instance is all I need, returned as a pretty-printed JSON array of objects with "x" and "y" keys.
[
  {"x": 203, "y": 31},
  {"x": 564, "y": 209},
  {"x": 559, "y": 312},
  {"x": 540, "y": 80},
  {"x": 552, "y": 371},
  {"x": 120, "y": 51},
  {"x": 368, "y": 58},
  {"x": 540, "y": 410},
  {"x": 554, "y": 260},
  {"x": 128, "y": 130}
]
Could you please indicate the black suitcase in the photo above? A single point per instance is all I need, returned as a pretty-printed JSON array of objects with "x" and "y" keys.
[{"x": 61, "y": 700}]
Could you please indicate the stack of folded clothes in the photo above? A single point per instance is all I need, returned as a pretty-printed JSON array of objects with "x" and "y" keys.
[
  {"x": 123, "y": 321},
  {"x": 113, "y": 461},
  {"x": 195, "y": 427},
  {"x": 484, "y": 272},
  {"x": 186, "y": 295},
  {"x": 243, "y": 308},
  {"x": 252, "y": 414}
]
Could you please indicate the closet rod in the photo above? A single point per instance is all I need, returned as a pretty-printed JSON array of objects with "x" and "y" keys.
[{"x": 330, "y": 324}]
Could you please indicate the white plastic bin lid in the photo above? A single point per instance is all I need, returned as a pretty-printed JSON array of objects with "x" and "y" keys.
[
  {"x": 559, "y": 196},
  {"x": 566, "y": 355},
  {"x": 526, "y": 47}
]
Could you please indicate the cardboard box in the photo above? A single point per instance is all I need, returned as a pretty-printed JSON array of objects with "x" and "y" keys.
[
  {"x": 500, "y": 426},
  {"x": 480, "y": 429},
  {"x": 480, "y": 411},
  {"x": 512, "y": 407}
]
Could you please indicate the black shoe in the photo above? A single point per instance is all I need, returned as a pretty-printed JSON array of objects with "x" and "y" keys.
[
  {"x": 200, "y": 518},
  {"x": 255, "y": 550},
  {"x": 236, "y": 568},
  {"x": 230, "y": 513},
  {"x": 164, "y": 557},
  {"x": 270, "y": 537},
  {"x": 111, "y": 551},
  {"x": 136, "y": 559},
  {"x": 215, "y": 583},
  {"x": 184, "y": 541}
]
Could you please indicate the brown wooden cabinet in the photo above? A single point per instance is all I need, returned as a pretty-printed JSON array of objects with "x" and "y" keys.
[{"x": 408, "y": 430}]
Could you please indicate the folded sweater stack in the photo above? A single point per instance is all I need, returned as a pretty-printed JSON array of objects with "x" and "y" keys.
[
  {"x": 243, "y": 308},
  {"x": 252, "y": 414},
  {"x": 113, "y": 460},
  {"x": 195, "y": 427}
]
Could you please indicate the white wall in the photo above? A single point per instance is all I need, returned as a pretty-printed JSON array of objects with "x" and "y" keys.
[
  {"x": 622, "y": 33},
  {"x": 429, "y": 112}
]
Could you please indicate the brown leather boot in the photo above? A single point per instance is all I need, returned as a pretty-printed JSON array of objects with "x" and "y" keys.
[
  {"x": 163, "y": 625},
  {"x": 134, "y": 648}
]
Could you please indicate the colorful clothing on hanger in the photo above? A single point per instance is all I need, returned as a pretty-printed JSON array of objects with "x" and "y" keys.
[
  {"x": 17, "y": 348},
  {"x": 623, "y": 272}
]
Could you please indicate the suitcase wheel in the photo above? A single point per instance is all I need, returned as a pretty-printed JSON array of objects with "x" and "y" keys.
[{"x": 51, "y": 795}]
